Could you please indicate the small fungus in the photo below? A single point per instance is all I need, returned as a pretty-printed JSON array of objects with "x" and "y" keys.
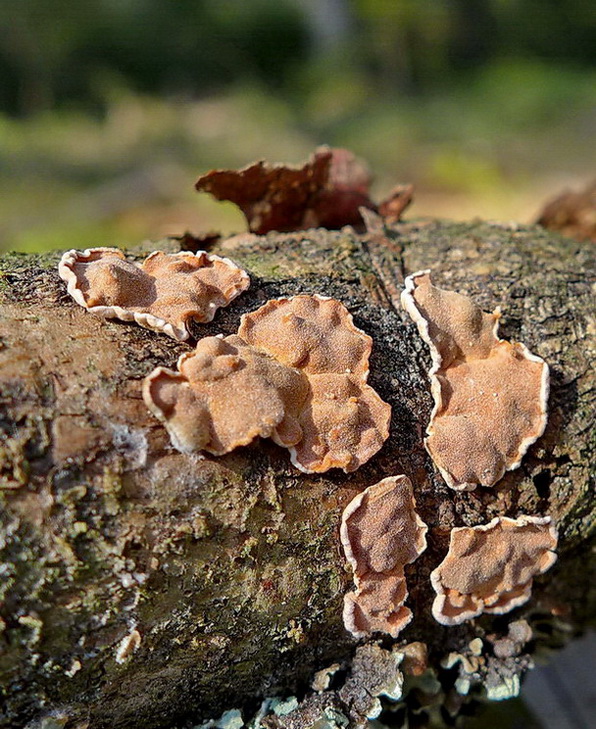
[
  {"x": 163, "y": 293},
  {"x": 519, "y": 633},
  {"x": 490, "y": 568},
  {"x": 381, "y": 533},
  {"x": 490, "y": 395},
  {"x": 396, "y": 202},
  {"x": 128, "y": 645},
  {"x": 295, "y": 373},
  {"x": 415, "y": 661}
]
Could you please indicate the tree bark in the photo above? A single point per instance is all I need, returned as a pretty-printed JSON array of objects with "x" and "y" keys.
[{"x": 144, "y": 587}]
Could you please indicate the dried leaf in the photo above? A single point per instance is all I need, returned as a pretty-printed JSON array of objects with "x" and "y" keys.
[{"x": 324, "y": 192}]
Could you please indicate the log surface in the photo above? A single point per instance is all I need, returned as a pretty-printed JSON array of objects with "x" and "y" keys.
[{"x": 143, "y": 587}]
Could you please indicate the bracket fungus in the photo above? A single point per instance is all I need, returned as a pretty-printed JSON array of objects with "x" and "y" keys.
[
  {"x": 163, "y": 293},
  {"x": 296, "y": 372},
  {"x": 490, "y": 395},
  {"x": 381, "y": 533},
  {"x": 490, "y": 568}
]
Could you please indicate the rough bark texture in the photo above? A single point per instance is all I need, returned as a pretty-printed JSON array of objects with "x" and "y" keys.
[{"x": 143, "y": 587}]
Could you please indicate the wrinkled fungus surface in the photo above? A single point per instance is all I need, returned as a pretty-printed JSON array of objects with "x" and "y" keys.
[
  {"x": 490, "y": 395},
  {"x": 381, "y": 533},
  {"x": 490, "y": 568},
  {"x": 295, "y": 373},
  {"x": 224, "y": 395},
  {"x": 162, "y": 294}
]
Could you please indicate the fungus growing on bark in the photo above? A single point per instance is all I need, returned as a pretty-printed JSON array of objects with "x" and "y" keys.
[
  {"x": 381, "y": 533},
  {"x": 490, "y": 568},
  {"x": 162, "y": 294},
  {"x": 295, "y": 373},
  {"x": 344, "y": 422},
  {"x": 519, "y": 633},
  {"x": 225, "y": 394},
  {"x": 128, "y": 645},
  {"x": 316, "y": 334},
  {"x": 490, "y": 395}
]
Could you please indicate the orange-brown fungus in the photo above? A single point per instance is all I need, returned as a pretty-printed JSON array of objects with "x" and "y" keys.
[
  {"x": 162, "y": 294},
  {"x": 489, "y": 568},
  {"x": 381, "y": 533},
  {"x": 278, "y": 378},
  {"x": 313, "y": 333},
  {"x": 226, "y": 394},
  {"x": 490, "y": 395},
  {"x": 344, "y": 421}
]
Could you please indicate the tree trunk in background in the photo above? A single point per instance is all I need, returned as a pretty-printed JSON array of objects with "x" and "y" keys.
[{"x": 144, "y": 587}]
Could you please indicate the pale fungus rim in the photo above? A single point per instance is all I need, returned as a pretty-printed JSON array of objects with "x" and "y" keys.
[{"x": 146, "y": 320}]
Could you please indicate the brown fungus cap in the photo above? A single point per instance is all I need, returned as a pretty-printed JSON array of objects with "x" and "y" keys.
[
  {"x": 489, "y": 568},
  {"x": 260, "y": 383},
  {"x": 162, "y": 294},
  {"x": 490, "y": 395},
  {"x": 314, "y": 333},
  {"x": 344, "y": 421},
  {"x": 381, "y": 533},
  {"x": 226, "y": 394}
]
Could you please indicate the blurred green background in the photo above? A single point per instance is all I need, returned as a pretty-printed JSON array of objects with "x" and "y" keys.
[{"x": 110, "y": 109}]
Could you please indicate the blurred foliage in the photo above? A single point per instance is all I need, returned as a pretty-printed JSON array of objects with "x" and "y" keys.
[
  {"x": 57, "y": 52},
  {"x": 109, "y": 109},
  {"x": 54, "y": 52}
]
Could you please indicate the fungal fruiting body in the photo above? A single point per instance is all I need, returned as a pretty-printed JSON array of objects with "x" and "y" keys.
[
  {"x": 163, "y": 293},
  {"x": 296, "y": 372},
  {"x": 490, "y": 395},
  {"x": 490, "y": 568},
  {"x": 381, "y": 533},
  {"x": 344, "y": 422},
  {"x": 226, "y": 394}
]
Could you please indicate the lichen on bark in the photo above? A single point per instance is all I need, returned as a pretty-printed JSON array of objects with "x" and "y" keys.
[{"x": 229, "y": 568}]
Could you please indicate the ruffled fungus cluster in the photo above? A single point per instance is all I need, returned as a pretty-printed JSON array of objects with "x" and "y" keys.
[
  {"x": 163, "y": 293},
  {"x": 490, "y": 395},
  {"x": 489, "y": 568},
  {"x": 381, "y": 533},
  {"x": 296, "y": 372},
  {"x": 490, "y": 406}
]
